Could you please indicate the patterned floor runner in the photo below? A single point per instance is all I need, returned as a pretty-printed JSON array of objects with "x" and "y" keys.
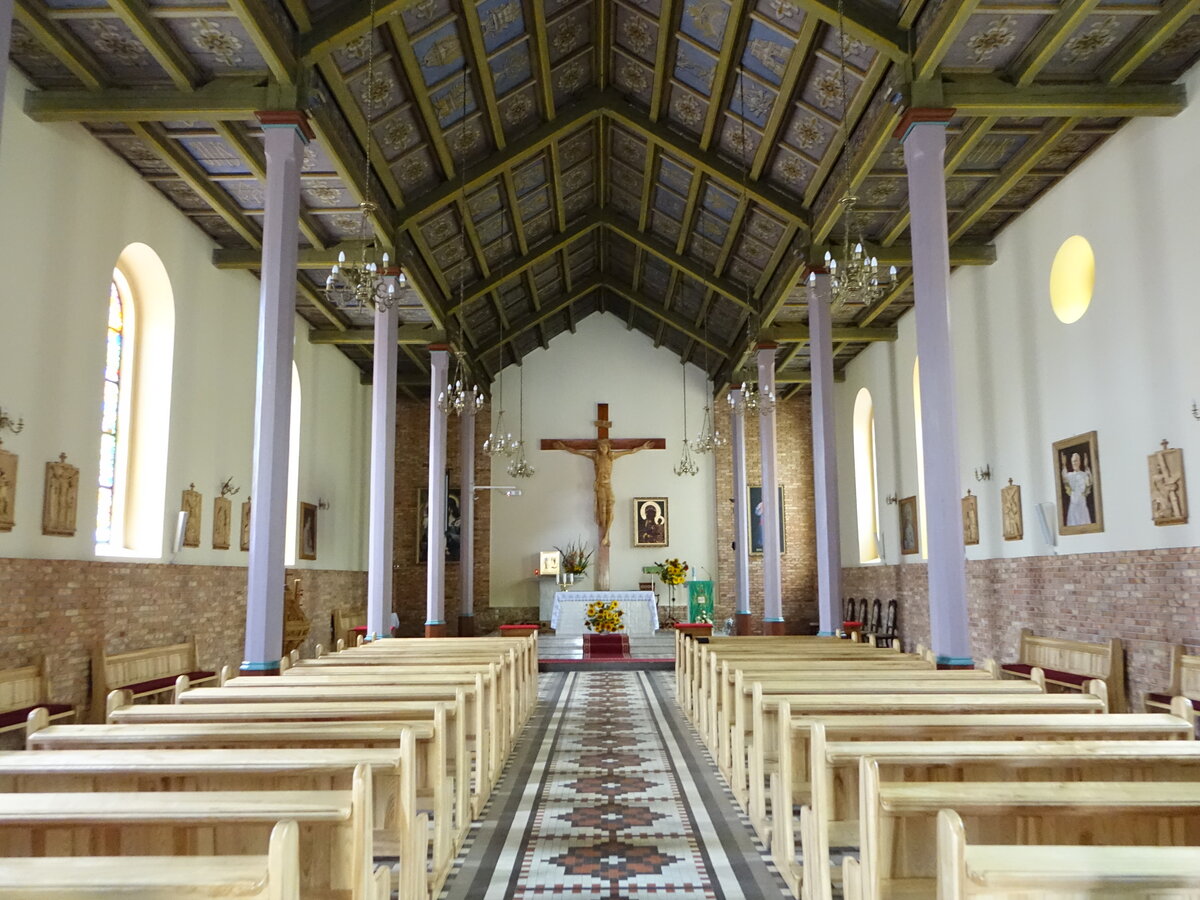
[{"x": 609, "y": 796}]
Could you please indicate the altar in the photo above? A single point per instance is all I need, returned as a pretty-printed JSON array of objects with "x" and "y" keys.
[{"x": 570, "y": 610}]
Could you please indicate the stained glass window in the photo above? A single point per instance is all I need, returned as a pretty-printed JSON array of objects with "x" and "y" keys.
[{"x": 110, "y": 416}]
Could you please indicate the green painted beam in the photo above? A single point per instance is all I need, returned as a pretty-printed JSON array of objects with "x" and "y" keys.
[
  {"x": 949, "y": 22},
  {"x": 63, "y": 45},
  {"x": 309, "y": 257},
  {"x": 791, "y": 378},
  {"x": 159, "y": 41},
  {"x": 1049, "y": 39},
  {"x": 992, "y": 97},
  {"x": 273, "y": 39},
  {"x": 1135, "y": 51},
  {"x": 218, "y": 101},
  {"x": 868, "y": 22},
  {"x": 346, "y": 22},
  {"x": 533, "y": 321},
  {"x": 798, "y": 334},
  {"x": 682, "y": 324},
  {"x": 412, "y": 335}
]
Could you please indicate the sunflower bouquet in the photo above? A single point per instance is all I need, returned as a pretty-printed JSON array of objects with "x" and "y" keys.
[
  {"x": 673, "y": 571},
  {"x": 605, "y": 617}
]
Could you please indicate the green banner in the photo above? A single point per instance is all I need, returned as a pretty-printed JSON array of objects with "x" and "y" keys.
[{"x": 700, "y": 601}]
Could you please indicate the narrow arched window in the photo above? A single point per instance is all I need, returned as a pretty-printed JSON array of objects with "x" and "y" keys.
[
  {"x": 866, "y": 493},
  {"x": 113, "y": 425}
]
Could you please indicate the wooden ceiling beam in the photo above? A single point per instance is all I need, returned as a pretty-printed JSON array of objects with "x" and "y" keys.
[
  {"x": 865, "y": 21},
  {"x": 317, "y": 299},
  {"x": 1142, "y": 45},
  {"x": 274, "y": 39},
  {"x": 63, "y": 45},
  {"x": 902, "y": 284},
  {"x": 483, "y": 78},
  {"x": 793, "y": 333},
  {"x": 515, "y": 153},
  {"x": 218, "y": 101},
  {"x": 1049, "y": 39},
  {"x": 618, "y": 110},
  {"x": 940, "y": 37},
  {"x": 535, "y": 11},
  {"x": 346, "y": 22},
  {"x": 680, "y": 323},
  {"x": 1016, "y": 169},
  {"x": 726, "y": 71},
  {"x": 799, "y": 61},
  {"x": 669, "y": 14},
  {"x": 689, "y": 212},
  {"x": 528, "y": 259},
  {"x": 159, "y": 42},
  {"x": 421, "y": 96},
  {"x": 985, "y": 96},
  {"x": 533, "y": 321},
  {"x": 799, "y": 380},
  {"x": 198, "y": 180}
]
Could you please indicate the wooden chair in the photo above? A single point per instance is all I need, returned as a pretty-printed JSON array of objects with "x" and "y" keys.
[
  {"x": 886, "y": 635},
  {"x": 863, "y": 612},
  {"x": 875, "y": 625}
]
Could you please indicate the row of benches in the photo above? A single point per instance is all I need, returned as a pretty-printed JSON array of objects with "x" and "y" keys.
[
  {"x": 931, "y": 777},
  {"x": 306, "y": 779}
]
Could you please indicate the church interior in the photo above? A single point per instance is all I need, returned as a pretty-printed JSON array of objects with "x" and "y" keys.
[{"x": 426, "y": 343}]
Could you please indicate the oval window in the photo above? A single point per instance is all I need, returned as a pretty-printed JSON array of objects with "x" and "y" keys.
[{"x": 1072, "y": 279}]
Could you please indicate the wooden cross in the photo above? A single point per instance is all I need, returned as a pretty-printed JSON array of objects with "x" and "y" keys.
[{"x": 602, "y": 458}]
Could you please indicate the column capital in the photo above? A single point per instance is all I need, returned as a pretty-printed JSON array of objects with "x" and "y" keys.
[
  {"x": 282, "y": 118},
  {"x": 432, "y": 347},
  {"x": 766, "y": 345},
  {"x": 922, "y": 115},
  {"x": 809, "y": 271}
]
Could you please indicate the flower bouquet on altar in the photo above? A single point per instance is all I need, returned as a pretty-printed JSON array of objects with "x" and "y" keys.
[
  {"x": 576, "y": 557},
  {"x": 605, "y": 617},
  {"x": 672, "y": 572}
]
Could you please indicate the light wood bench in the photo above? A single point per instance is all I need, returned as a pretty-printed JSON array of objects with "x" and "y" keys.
[
  {"x": 433, "y": 791},
  {"x": 344, "y": 623},
  {"x": 1069, "y": 665},
  {"x": 275, "y": 876},
  {"x": 335, "y": 828},
  {"x": 898, "y": 821},
  {"x": 143, "y": 673},
  {"x": 400, "y": 831},
  {"x": 833, "y": 811},
  {"x": 1066, "y": 872},
  {"x": 23, "y": 690},
  {"x": 1185, "y": 682}
]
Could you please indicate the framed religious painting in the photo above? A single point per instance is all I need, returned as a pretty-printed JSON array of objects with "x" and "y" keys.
[
  {"x": 453, "y": 524},
  {"x": 222, "y": 522},
  {"x": 244, "y": 540},
  {"x": 650, "y": 523},
  {"x": 1168, "y": 490},
  {"x": 755, "y": 509},
  {"x": 1077, "y": 476},
  {"x": 61, "y": 498},
  {"x": 308, "y": 531},
  {"x": 910, "y": 527},
  {"x": 1012, "y": 519},
  {"x": 189, "y": 503},
  {"x": 970, "y": 517}
]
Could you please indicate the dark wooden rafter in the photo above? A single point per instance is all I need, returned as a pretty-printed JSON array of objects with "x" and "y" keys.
[
  {"x": 603, "y": 48},
  {"x": 1129, "y": 57},
  {"x": 481, "y": 76},
  {"x": 277, "y": 46},
  {"x": 987, "y": 96},
  {"x": 1049, "y": 39},
  {"x": 159, "y": 41},
  {"x": 669, "y": 14},
  {"x": 799, "y": 61},
  {"x": 231, "y": 99},
  {"x": 535, "y": 11},
  {"x": 530, "y": 322},
  {"x": 417, "y": 90},
  {"x": 680, "y": 323},
  {"x": 350, "y": 165},
  {"x": 727, "y": 70},
  {"x": 940, "y": 37},
  {"x": 865, "y": 21},
  {"x": 72, "y": 53},
  {"x": 344, "y": 23}
]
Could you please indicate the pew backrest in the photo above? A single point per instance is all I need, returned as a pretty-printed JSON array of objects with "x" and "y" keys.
[
  {"x": 23, "y": 690},
  {"x": 143, "y": 673}
]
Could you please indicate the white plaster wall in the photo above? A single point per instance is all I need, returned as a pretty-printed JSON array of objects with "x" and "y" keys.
[
  {"x": 601, "y": 362},
  {"x": 69, "y": 208},
  {"x": 1128, "y": 369}
]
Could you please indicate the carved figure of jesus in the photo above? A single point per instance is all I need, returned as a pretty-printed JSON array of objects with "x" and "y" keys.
[{"x": 602, "y": 459}]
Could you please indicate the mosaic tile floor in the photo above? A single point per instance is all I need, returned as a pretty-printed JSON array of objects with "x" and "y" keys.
[{"x": 608, "y": 795}]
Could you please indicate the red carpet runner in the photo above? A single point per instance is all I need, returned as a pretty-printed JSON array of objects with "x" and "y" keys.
[{"x": 606, "y": 646}]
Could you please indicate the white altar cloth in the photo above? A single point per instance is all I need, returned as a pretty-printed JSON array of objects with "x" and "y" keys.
[{"x": 570, "y": 610}]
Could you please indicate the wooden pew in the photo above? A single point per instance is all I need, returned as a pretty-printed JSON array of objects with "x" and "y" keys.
[
  {"x": 144, "y": 673},
  {"x": 400, "y": 831},
  {"x": 274, "y": 690},
  {"x": 897, "y": 821},
  {"x": 275, "y": 876},
  {"x": 334, "y": 828},
  {"x": 1057, "y": 871},
  {"x": 24, "y": 689},
  {"x": 1069, "y": 665},
  {"x": 1185, "y": 682},
  {"x": 446, "y": 718}
]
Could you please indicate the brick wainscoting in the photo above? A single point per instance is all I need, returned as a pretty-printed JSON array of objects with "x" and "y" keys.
[
  {"x": 1149, "y": 599},
  {"x": 62, "y": 608},
  {"x": 799, "y": 562}
]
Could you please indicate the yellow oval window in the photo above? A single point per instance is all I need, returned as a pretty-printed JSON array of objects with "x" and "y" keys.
[{"x": 1072, "y": 279}]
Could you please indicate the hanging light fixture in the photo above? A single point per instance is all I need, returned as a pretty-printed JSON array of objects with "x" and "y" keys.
[
  {"x": 686, "y": 465},
  {"x": 854, "y": 278},
  {"x": 752, "y": 399},
  {"x": 499, "y": 442},
  {"x": 457, "y": 398},
  {"x": 709, "y": 438},
  {"x": 518, "y": 467},
  {"x": 365, "y": 282}
]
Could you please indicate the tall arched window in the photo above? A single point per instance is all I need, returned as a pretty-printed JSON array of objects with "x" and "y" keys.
[
  {"x": 920, "y": 459},
  {"x": 135, "y": 407},
  {"x": 866, "y": 493}
]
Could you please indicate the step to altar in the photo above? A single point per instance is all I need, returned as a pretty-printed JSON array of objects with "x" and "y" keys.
[{"x": 646, "y": 651}]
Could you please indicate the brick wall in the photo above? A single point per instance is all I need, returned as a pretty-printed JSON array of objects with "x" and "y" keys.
[
  {"x": 799, "y": 561},
  {"x": 1150, "y": 599},
  {"x": 62, "y": 608}
]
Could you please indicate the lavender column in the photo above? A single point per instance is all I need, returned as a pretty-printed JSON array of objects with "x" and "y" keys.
[
  {"x": 825, "y": 473},
  {"x": 466, "y": 503},
  {"x": 383, "y": 476},
  {"x": 924, "y": 136},
  {"x": 285, "y": 135},
  {"x": 772, "y": 578},
  {"x": 435, "y": 577},
  {"x": 741, "y": 522}
]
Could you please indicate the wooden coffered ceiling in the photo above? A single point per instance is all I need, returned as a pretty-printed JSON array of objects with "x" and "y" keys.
[{"x": 674, "y": 163}]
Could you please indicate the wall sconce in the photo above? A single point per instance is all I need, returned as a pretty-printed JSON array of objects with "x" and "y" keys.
[
  {"x": 228, "y": 489},
  {"x": 509, "y": 490},
  {"x": 891, "y": 499},
  {"x": 322, "y": 503},
  {"x": 984, "y": 474},
  {"x": 6, "y": 421}
]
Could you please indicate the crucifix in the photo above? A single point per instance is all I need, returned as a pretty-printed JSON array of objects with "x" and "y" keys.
[{"x": 602, "y": 451}]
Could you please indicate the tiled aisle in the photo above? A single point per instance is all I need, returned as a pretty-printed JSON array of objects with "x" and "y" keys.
[{"x": 608, "y": 795}]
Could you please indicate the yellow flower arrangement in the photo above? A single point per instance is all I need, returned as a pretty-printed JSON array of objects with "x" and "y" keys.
[
  {"x": 674, "y": 571},
  {"x": 605, "y": 617}
]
